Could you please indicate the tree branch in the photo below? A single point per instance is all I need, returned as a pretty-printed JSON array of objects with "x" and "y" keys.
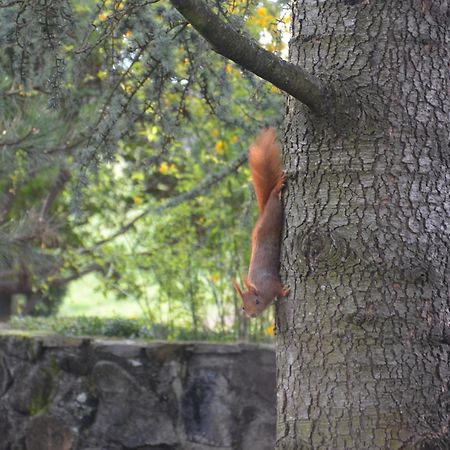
[
  {"x": 175, "y": 201},
  {"x": 11, "y": 192},
  {"x": 20, "y": 285},
  {"x": 78, "y": 274},
  {"x": 9, "y": 4},
  {"x": 62, "y": 178},
  {"x": 33, "y": 300},
  {"x": 246, "y": 52}
]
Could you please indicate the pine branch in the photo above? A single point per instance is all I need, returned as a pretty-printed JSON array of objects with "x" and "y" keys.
[
  {"x": 248, "y": 54},
  {"x": 8, "y": 202},
  {"x": 19, "y": 140}
]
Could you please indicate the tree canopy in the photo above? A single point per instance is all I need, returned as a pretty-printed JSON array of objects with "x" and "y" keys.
[{"x": 123, "y": 143}]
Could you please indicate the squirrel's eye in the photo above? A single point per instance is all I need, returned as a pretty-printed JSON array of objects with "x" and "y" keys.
[{"x": 257, "y": 301}]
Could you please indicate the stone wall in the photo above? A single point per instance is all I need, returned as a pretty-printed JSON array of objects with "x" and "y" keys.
[{"x": 59, "y": 393}]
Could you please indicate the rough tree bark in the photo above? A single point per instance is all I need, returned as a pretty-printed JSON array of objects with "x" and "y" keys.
[
  {"x": 364, "y": 338},
  {"x": 363, "y": 343}
]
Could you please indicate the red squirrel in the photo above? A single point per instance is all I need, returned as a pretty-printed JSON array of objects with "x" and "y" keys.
[{"x": 263, "y": 281}]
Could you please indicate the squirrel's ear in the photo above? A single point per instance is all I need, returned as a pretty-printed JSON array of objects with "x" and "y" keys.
[
  {"x": 238, "y": 288},
  {"x": 250, "y": 286}
]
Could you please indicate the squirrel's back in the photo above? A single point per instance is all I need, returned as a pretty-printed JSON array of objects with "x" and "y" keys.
[{"x": 265, "y": 165}]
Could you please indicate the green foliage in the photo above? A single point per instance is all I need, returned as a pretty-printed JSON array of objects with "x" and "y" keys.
[
  {"x": 123, "y": 328},
  {"x": 129, "y": 99}
]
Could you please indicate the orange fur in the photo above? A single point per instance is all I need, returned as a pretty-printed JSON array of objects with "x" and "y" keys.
[
  {"x": 263, "y": 281},
  {"x": 265, "y": 165}
]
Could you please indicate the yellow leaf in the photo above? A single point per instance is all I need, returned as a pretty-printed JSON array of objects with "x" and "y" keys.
[
  {"x": 102, "y": 16},
  {"x": 139, "y": 176},
  {"x": 274, "y": 89},
  {"x": 231, "y": 7},
  {"x": 120, "y": 6},
  {"x": 271, "y": 330},
  {"x": 262, "y": 11},
  {"x": 102, "y": 74},
  {"x": 220, "y": 147},
  {"x": 234, "y": 139},
  {"x": 129, "y": 34},
  {"x": 164, "y": 168},
  {"x": 138, "y": 200},
  {"x": 215, "y": 132},
  {"x": 127, "y": 87},
  {"x": 263, "y": 18},
  {"x": 215, "y": 277}
]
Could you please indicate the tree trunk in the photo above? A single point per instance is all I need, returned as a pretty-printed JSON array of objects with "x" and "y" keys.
[
  {"x": 5, "y": 307},
  {"x": 363, "y": 342}
]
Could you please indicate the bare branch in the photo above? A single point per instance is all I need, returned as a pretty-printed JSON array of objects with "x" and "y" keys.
[{"x": 246, "y": 52}]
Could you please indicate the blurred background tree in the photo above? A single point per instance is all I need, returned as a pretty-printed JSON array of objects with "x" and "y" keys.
[{"x": 123, "y": 140}]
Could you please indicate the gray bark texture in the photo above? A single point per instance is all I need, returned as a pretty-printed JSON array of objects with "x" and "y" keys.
[{"x": 363, "y": 339}]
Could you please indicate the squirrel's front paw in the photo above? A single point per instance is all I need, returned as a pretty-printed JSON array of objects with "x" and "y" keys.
[{"x": 285, "y": 291}]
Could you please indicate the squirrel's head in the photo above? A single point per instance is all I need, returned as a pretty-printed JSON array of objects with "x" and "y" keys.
[{"x": 253, "y": 304}]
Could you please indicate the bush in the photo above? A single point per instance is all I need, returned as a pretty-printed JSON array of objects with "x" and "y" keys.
[{"x": 118, "y": 327}]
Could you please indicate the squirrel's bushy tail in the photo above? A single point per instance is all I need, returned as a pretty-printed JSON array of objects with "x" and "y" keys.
[{"x": 265, "y": 165}]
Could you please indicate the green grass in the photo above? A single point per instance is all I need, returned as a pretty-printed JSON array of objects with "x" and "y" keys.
[
  {"x": 89, "y": 326},
  {"x": 120, "y": 327},
  {"x": 84, "y": 298},
  {"x": 87, "y": 311}
]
